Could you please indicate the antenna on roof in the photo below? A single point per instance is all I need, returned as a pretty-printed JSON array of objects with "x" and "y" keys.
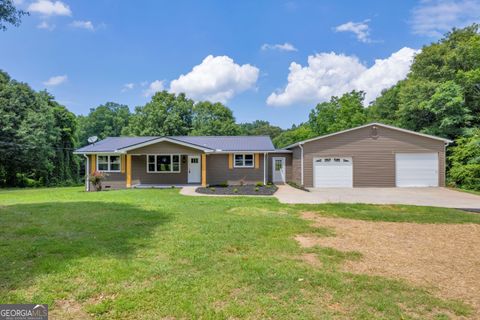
[{"x": 92, "y": 139}]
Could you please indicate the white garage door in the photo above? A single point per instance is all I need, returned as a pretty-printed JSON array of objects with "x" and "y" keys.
[
  {"x": 332, "y": 172},
  {"x": 416, "y": 169}
]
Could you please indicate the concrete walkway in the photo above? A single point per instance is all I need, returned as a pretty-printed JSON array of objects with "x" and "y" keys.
[{"x": 435, "y": 197}]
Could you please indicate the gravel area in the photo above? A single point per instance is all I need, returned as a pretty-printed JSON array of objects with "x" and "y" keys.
[
  {"x": 250, "y": 190},
  {"x": 445, "y": 257}
]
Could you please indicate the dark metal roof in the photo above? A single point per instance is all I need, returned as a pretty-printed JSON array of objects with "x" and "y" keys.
[{"x": 216, "y": 143}]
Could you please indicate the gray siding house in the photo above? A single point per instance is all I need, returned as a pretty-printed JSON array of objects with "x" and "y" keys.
[{"x": 373, "y": 155}]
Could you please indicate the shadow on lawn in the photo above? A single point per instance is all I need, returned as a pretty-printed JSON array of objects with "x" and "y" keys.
[{"x": 42, "y": 238}]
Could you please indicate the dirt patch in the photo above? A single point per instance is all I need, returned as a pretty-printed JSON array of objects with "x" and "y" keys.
[
  {"x": 445, "y": 257},
  {"x": 311, "y": 259},
  {"x": 68, "y": 310}
]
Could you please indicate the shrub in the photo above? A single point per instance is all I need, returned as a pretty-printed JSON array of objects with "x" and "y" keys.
[
  {"x": 223, "y": 184},
  {"x": 297, "y": 186},
  {"x": 256, "y": 189},
  {"x": 96, "y": 179},
  {"x": 259, "y": 184},
  {"x": 235, "y": 190},
  {"x": 242, "y": 182},
  {"x": 465, "y": 162},
  {"x": 212, "y": 189}
]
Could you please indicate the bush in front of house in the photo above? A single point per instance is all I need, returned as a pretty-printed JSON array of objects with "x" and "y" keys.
[{"x": 96, "y": 179}]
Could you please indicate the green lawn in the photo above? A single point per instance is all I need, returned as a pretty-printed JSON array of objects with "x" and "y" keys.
[{"x": 144, "y": 254}]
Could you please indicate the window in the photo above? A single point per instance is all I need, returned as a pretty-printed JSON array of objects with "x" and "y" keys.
[
  {"x": 278, "y": 165},
  {"x": 108, "y": 163},
  {"x": 163, "y": 163},
  {"x": 243, "y": 160}
]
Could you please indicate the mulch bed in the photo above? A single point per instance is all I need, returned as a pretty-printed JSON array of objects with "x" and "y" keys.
[{"x": 250, "y": 190}]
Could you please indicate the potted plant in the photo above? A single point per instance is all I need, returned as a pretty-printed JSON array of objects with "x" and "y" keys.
[{"x": 96, "y": 179}]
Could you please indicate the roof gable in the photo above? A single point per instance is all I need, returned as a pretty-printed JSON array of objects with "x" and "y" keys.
[{"x": 369, "y": 125}]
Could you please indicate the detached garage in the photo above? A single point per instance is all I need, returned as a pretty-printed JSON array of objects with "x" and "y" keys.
[{"x": 373, "y": 155}]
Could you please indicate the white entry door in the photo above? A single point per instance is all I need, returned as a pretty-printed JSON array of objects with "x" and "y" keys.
[
  {"x": 332, "y": 172},
  {"x": 416, "y": 169},
  {"x": 194, "y": 169},
  {"x": 278, "y": 167}
]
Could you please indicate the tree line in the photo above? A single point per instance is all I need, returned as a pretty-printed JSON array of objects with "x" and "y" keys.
[{"x": 440, "y": 96}]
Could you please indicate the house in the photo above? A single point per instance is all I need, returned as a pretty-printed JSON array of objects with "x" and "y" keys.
[{"x": 373, "y": 155}]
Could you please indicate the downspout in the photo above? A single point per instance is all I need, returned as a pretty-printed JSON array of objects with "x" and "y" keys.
[
  {"x": 87, "y": 175},
  {"x": 301, "y": 164},
  {"x": 265, "y": 168}
]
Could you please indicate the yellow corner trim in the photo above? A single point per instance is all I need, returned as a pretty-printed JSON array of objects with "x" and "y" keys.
[
  {"x": 93, "y": 163},
  {"x": 129, "y": 170},
  {"x": 122, "y": 163},
  {"x": 257, "y": 160},
  {"x": 230, "y": 161},
  {"x": 204, "y": 170}
]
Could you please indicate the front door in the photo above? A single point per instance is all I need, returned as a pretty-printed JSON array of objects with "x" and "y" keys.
[
  {"x": 194, "y": 169},
  {"x": 278, "y": 166}
]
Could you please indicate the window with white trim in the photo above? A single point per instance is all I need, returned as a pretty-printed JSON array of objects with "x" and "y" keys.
[
  {"x": 243, "y": 160},
  {"x": 108, "y": 163},
  {"x": 163, "y": 163}
]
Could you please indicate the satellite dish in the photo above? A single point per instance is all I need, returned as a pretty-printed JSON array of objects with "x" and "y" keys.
[{"x": 92, "y": 139}]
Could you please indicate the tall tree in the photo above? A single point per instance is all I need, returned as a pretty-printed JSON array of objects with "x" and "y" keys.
[
  {"x": 213, "y": 119},
  {"x": 36, "y": 137},
  {"x": 107, "y": 120},
  {"x": 166, "y": 114},
  {"x": 339, "y": 113},
  {"x": 9, "y": 14},
  {"x": 260, "y": 128},
  {"x": 294, "y": 134}
]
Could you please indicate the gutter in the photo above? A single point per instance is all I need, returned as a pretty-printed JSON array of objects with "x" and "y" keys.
[{"x": 87, "y": 173}]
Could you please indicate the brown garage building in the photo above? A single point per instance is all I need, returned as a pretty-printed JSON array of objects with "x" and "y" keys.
[{"x": 373, "y": 155}]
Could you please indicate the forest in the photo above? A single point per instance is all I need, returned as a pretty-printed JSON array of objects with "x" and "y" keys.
[{"x": 440, "y": 96}]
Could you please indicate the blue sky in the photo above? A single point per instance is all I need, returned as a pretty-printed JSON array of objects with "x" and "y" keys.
[{"x": 271, "y": 60}]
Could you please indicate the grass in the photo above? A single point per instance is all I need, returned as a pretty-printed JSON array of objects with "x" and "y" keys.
[{"x": 143, "y": 254}]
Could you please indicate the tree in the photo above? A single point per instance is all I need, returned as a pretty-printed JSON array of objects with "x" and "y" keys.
[
  {"x": 9, "y": 14},
  {"x": 213, "y": 119},
  {"x": 260, "y": 128},
  {"x": 166, "y": 114},
  {"x": 465, "y": 161},
  {"x": 451, "y": 116},
  {"x": 107, "y": 120},
  {"x": 339, "y": 113},
  {"x": 293, "y": 135},
  {"x": 384, "y": 109},
  {"x": 36, "y": 137}
]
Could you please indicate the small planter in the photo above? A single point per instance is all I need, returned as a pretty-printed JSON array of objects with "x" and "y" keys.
[{"x": 246, "y": 190}]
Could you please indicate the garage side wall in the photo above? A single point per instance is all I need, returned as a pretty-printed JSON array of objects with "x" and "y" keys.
[{"x": 373, "y": 154}]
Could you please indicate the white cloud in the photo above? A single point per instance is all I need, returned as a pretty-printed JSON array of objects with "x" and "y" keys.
[
  {"x": 435, "y": 17},
  {"x": 45, "y": 25},
  {"x": 281, "y": 47},
  {"x": 360, "y": 29},
  {"x": 88, "y": 25},
  {"x": 216, "y": 79},
  {"x": 155, "y": 86},
  {"x": 55, "y": 81},
  {"x": 331, "y": 74},
  {"x": 50, "y": 8},
  {"x": 128, "y": 86}
]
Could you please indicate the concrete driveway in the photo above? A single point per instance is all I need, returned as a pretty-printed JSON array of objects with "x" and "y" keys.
[{"x": 435, "y": 197}]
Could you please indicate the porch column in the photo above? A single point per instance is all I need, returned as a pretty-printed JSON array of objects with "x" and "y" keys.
[
  {"x": 128, "y": 170},
  {"x": 204, "y": 170}
]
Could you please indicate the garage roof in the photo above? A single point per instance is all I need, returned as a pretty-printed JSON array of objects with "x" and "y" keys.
[{"x": 368, "y": 125}]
